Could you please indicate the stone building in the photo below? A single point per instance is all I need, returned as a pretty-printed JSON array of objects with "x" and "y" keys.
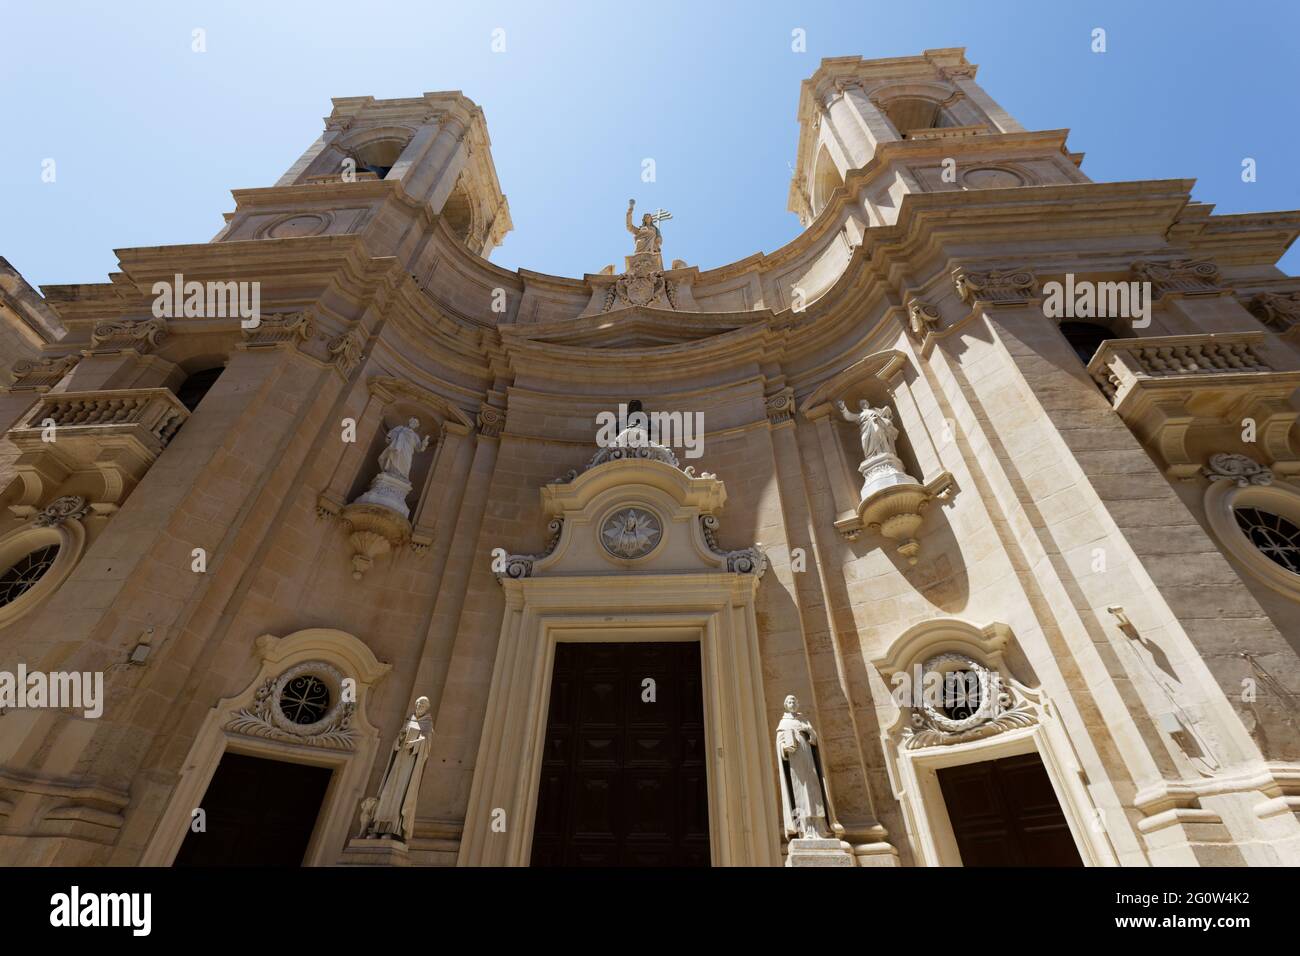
[{"x": 1077, "y": 502}]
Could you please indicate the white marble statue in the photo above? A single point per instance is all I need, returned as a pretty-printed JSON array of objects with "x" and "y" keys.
[
  {"x": 876, "y": 429},
  {"x": 392, "y": 813},
  {"x": 404, "y": 443},
  {"x": 390, "y": 487},
  {"x": 648, "y": 237},
  {"x": 804, "y": 799}
]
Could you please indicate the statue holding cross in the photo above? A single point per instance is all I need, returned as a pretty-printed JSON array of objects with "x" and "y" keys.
[{"x": 648, "y": 237}]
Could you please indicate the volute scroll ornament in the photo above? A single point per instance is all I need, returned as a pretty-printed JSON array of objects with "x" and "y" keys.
[
  {"x": 142, "y": 336},
  {"x": 995, "y": 287},
  {"x": 1240, "y": 469},
  {"x": 68, "y": 507}
]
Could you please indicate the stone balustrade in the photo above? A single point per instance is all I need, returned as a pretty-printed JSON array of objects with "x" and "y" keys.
[
  {"x": 112, "y": 435},
  {"x": 1177, "y": 391},
  {"x": 155, "y": 412},
  {"x": 1120, "y": 363}
]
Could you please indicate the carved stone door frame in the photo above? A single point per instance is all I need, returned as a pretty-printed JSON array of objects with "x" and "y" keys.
[
  {"x": 714, "y": 608},
  {"x": 346, "y": 747}
]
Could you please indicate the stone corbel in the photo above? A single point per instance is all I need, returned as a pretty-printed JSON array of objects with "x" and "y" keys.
[
  {"x": 1180, "y": 277},
  {"x": 895, "y": 512},
  {"x": 42, "y": 374},
  {"x": 1166, "y": 424},
  {"x": 373, "y": 531},
  {"x": 996, "y": 287},
  {"x": 140, "y": 337},
  {"x": 345, "y": 350},
  {"x": 923, "y": 323},
  {"x": 490, "y": 421},
  {"x": 288, "y": 330},
  {"x": 1278, "y": 313},
  {"x": 780, "y": 407}
]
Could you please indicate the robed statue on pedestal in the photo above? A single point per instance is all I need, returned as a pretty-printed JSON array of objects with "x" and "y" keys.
[
  {"x": 806, "y": 809},
  {"x": 392, "y": 813}
]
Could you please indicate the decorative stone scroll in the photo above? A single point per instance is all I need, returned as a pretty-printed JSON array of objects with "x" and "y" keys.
[
  {"x": 490, "y": 421},
  {"x": 521, "y": 565},
  {"x": 1279, "y": 312},
  {"x": 995, "y": 287},
  {"x": 289, "y": 328},
  {"x": 345, "y": 350},
  {"x": 742, "y": 561},
  {"x": 922, "y": 318},
  {"x": 140, "y": 336},
  {"x": 68, "y": 507},
  {"x": 42, "y": 373},
  {"x": 1185, "y": 276},
  {"x": 1240, "y": 469},
  {"x": 780, "y": 407}
]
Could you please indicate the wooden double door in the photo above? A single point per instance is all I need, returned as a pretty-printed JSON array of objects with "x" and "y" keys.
[
  {"x": 1005, "y": 813},
  {"x": 623, "y": 779}
]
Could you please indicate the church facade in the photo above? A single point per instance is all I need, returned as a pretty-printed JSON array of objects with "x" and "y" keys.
[{"x": 963, "y": 529}]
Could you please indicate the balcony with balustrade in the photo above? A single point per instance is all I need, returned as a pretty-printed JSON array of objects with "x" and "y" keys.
[
  {"x": 112, "y": 434},
  {"x": 1166, "y": 388}
]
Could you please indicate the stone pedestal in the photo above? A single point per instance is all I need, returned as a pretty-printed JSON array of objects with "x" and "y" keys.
[
  {"x": 389, "y": 492},
  {"x": 883, "y": 471},
  {"x": 809, "y": 852},
  {"x": 378, "y": 852}
]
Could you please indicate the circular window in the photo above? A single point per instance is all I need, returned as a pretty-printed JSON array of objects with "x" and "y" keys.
[
  {"x": 961, "y": 694},
  {"x": 305, "y": 699},
  {"x": 23, "y": 574},
  {"x": 1257, "y": 524},
  {"x": 1272, "y": 535}
]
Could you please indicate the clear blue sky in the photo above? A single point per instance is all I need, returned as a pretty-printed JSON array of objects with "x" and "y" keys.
[{"x": 150, "y": 137}]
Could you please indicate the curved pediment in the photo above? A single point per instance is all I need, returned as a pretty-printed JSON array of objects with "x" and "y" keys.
[
  {"x": 637, "y": 328},
  {"x": 635, "y": 514}
]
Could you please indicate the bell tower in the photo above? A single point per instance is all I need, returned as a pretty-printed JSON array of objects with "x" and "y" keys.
[
  {"x": 429, "y": 152},
  {"x": 912, "y": 124}
]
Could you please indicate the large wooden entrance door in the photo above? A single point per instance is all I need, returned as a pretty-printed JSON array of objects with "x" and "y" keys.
[
  {"x": 258, "y": 813},
  {"x": 1005, "y": 813},
  {"x": 623, "y": 774}
]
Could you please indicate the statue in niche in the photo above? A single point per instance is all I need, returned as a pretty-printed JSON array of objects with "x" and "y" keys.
[
  {"x": 392, "y": 813},
  {"x": 876, "y": 429},
  {"x": 648, "y": 237},
  {"x": 392, "y": 484},
  {"x": 805, "y": 801},
  {"x": 404, "y": 443}
]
